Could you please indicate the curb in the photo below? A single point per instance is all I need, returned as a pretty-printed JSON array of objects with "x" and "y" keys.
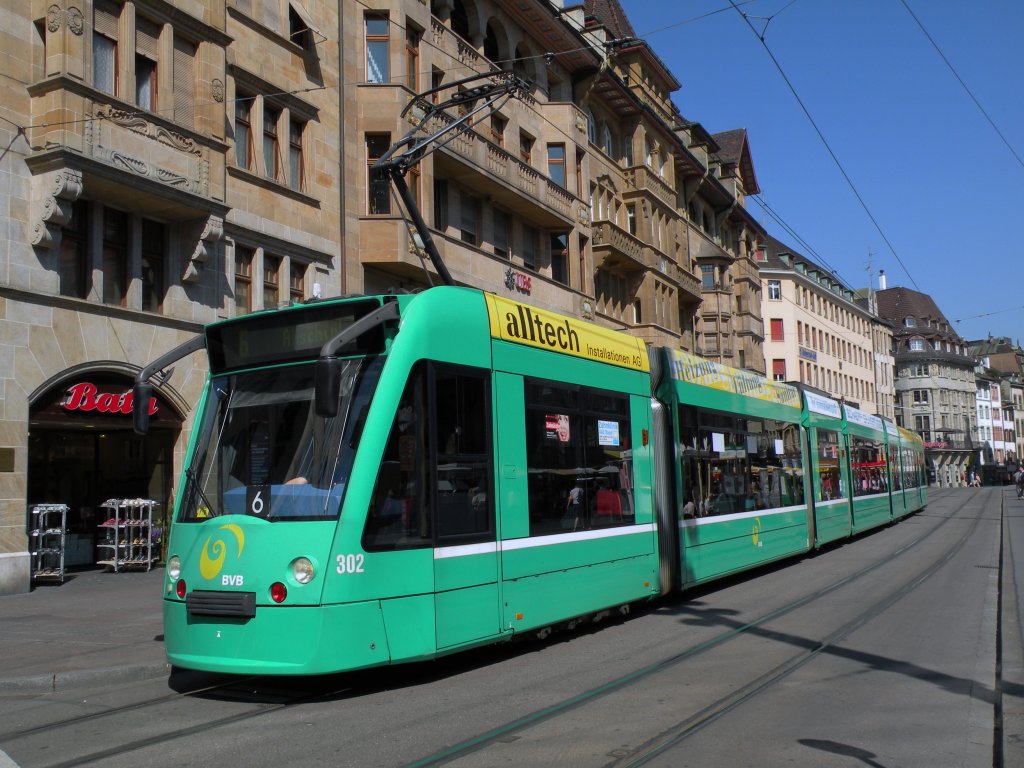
[{"x": 69, "y": 680}]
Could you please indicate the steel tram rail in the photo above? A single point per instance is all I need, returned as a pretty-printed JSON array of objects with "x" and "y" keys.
[{"x": 711, "y": 712}]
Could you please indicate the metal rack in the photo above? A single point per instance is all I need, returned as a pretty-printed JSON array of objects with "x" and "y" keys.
[
  {"x": 129, "y": 535},
  {"x": 49, "y": 522}
]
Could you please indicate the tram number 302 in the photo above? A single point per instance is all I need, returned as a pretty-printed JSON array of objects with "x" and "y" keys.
[{"x": 350, "y": 564}]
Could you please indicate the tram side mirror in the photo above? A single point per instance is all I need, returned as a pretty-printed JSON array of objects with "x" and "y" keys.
[
  {"x": 327, "y": 386},
  {"x": 142, "y": 394}
]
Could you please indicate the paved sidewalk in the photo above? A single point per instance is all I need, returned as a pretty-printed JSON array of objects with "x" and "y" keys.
[{"x": 96, "y": 627}]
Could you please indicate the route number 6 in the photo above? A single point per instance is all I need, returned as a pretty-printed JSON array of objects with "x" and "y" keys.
[{"x": 350, "y": 564}]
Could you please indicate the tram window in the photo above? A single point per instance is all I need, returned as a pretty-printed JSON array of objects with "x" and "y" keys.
[
  {"x": 436, "y": 463},
  {"x": 579, "y": 461},
  {"x": 868, "y": 464},
  {"x": 463, "y": 455},
  {"x": 830, "y": 479},
  {"x": 731, "y": 464},
  {"x": 909, "y": 469},
  {"x": 897, "y": 475},
  {"x": 399, "y": 514}
]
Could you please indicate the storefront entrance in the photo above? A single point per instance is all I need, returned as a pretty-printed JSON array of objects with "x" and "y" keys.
[{"x": 84, "y": 452}]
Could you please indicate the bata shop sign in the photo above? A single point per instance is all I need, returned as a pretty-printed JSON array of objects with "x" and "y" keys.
[{"x": 87, "y": 397}]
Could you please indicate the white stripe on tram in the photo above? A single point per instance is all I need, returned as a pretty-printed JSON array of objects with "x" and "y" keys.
[{"x": 489, "y": 547}]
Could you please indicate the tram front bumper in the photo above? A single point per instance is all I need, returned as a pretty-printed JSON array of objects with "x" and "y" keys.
[{"x": 279, "y": 640}]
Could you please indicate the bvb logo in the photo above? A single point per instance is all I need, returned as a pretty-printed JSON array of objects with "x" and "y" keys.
[
  {"x": 755, "y": 533},
  {"x": 209, "y": 566}
]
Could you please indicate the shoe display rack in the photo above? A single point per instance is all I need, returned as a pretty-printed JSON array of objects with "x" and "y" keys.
[
  {"x": 129, "y": 535},
  {"x": 48, "y": 524}
]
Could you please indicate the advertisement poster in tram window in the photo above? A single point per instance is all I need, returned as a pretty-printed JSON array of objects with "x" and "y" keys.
[{"x": 556, "y": 427}]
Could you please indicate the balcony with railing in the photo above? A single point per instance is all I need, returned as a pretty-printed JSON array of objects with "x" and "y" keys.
[
  {"x": 616, "y": 249},
  {"x": 494, "y": 172},
  {"x": 645, "y": 179},
  {"x": 702, "y": 246}
]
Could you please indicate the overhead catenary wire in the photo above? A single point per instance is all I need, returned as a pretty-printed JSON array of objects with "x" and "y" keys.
[
  {"x": 966, "y": 88},
  {"x": 828, "y": 147}
]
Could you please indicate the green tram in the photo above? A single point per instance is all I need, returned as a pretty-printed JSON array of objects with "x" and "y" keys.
[{"x": 384, "y": 479}]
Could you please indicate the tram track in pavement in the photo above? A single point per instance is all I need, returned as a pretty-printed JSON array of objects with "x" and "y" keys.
[
  {"x": 270, "y": 695},
  {"x": 669, "y": 738}
]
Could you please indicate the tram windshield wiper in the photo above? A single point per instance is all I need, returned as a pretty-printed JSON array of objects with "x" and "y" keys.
[{"x": 194, "y": 480}]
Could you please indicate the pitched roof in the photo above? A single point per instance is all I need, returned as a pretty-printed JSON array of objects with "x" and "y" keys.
[
  {"x": 610, "y": 14},
  {"x": 734, "y": 149}
]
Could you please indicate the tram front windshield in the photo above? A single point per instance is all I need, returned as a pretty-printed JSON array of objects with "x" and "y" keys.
[{"x": 263, "y": 451}]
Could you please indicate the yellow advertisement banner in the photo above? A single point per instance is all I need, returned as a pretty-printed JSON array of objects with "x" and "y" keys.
[
  {"x": 523, "y": 324},
  {"x": 707, "y": 373}
]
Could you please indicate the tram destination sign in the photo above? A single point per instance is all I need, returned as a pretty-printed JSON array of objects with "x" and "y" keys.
[{"x": 288, "y": 335}]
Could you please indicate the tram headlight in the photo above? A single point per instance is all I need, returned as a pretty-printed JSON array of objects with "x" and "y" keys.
[
  {"x": 302, "y": 570},
  {"x": 174, "y": 567}
]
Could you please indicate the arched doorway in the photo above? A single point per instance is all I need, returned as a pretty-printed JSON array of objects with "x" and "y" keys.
[{"x": 83, "y": 450}]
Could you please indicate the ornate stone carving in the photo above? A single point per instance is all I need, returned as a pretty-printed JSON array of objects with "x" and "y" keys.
[
  {"x": 76, "y": 22},
  {"x": 54, "y": 17},
  {"x": 57, "y": 191},
  {"x": 140, "y": 125},
  {"x": 206, "y": 243},
  {"x": 217, "y": 86}
]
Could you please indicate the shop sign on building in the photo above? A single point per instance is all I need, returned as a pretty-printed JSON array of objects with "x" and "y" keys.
[
  {"x": 517, "y": 281},
  {"x": 86, "y": 396}
]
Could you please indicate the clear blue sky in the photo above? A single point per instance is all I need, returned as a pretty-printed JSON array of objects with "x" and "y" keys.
[{"x": 943, "y": 186}]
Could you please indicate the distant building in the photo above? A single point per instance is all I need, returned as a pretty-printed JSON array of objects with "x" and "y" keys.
[
  {"x": 1002, "y": 362},
  {"x": 935, "y": 383},
  {"x": 819, "y": 333}
]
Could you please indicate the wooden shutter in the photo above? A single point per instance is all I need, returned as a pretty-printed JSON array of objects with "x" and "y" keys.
[
  {"x": 105, "y": 18},
  {"x": 184, "y": 82},
  {"x": 147, "y": 38}
]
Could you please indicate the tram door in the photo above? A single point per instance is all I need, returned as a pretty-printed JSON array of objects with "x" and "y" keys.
[{"x": 465, "y": 555}]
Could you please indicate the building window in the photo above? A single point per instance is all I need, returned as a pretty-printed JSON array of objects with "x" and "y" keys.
[
  {"x": 412, "y": 58},
  {"x": 498, "y": 124},
  {"x": 631, "y": 218},
  {"x": 775, "y": 290},
  {"x": 296, "y": 281},
  {"x": 147, "y": 49},
  {"x": 470, "y": 219},
  {"x": 271, "y": 281},
  {"x": 73, "y": 249},
  {"x": 153, "y": 261},
  {"x": 707, "y": 277},
  {"x": 909, "y": 322},
  {"x": 378, "y": 188},
  {"x": 440, "y": 204},
  {"x": 104, "y": 46},
  {"x": 243, "y": 131},
  {"x": 296, "y": 173},
  {"x": 916, "y": 345},
  {"x": 556, "y": 163},
  {"x": 529, "y": 247},
  {"x": 298, "y": 31},
  {"x": 560, "y": 258},
  {"x": 920, "y": 396},
  {"x": 243, "y": 280},
  {"x": 377, "y": 49},
  {"x": 776, "y": 329},
  {"x": 145, "y": 83},
  {"x": 526, "y": 142},
  {"x": 115, "y": 256},
  {"x": 270, "y": 143},
  {"x": 502, "y": 233},
  {"x": 627, "y": 149}
]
